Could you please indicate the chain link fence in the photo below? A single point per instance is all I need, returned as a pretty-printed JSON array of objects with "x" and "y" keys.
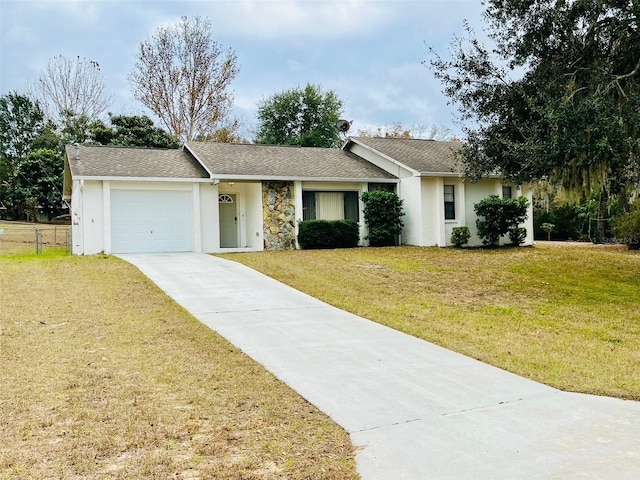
[{"x": 33, "y": 238}]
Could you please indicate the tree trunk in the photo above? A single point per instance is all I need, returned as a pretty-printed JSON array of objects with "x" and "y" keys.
[{"x": 602, "y": 217}]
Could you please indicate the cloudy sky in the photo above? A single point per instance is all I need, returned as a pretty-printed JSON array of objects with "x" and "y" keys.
[{"x": 368, "y": 51}]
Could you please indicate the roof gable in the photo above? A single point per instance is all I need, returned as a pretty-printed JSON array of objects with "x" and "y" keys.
[{"x": 422, "y": 156}]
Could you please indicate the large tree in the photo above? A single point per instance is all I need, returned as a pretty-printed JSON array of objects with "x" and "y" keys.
[
  {"x": 38, "y": 183},
  {"x": 71, "y": 86},
  {"x": 23, "y": 129},
  {"x": 300, "y": 116},
  {"x": 21, "y": 121},
  {"x": 557, "y": 96},
  {"x": 182, "y": 74}
]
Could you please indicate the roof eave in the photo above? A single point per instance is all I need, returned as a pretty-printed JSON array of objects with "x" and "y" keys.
[
  {"x": 106, "y": 178},
  {"x": 440, "y": 174},
  {"x": 282, "y": 178},
  {"x": 452, "y": 174}
]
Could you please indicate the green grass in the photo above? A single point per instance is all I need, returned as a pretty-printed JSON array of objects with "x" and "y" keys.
[
  {"x": 561, "y": 314},
  {"x": 25, "y": 252}
]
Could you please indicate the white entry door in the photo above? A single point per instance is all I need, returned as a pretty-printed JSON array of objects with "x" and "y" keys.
[{"x": 150, "y": 221}]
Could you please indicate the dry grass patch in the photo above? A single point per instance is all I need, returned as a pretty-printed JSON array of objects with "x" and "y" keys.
[
  {"x": 20, "y": 237},
  {"x": 565, "y": 316},
  {"x": 103, "y": 376}
]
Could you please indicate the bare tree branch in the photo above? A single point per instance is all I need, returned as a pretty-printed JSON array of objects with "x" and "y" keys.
[
  {"x": 183, "y": 75},
  {"x": 71, "y": 85}
]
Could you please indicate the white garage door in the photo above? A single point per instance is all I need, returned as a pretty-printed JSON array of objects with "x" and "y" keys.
[{"x": 150, "y": 221}]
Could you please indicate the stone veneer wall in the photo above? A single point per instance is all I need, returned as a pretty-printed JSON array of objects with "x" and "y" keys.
[{"x": 278, "y": 216}]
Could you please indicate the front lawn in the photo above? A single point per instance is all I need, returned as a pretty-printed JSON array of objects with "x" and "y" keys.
[
  {"x": 104, "y": 376},
  {"x": 567, "y": 315}
]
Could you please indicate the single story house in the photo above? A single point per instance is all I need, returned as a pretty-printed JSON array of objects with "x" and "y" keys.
[
  {"x": 436, "y": 196},
  {"x": 212, "y": 197}
]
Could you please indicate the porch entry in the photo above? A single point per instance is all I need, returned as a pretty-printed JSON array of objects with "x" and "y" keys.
[{"x": 228, "y": 208}]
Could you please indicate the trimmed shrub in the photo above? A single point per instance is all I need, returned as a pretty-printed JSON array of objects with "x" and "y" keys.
[
  {"x": 328, "y": 234},
  {"x": 382, "y": 212},
  {"x": 460, "y": 236},
  {"x": 517, "y": 235},
  {"x": 498, "y": 215}
]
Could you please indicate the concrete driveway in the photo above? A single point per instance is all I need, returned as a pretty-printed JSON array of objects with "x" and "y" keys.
[{"x": 414, "y": 410}]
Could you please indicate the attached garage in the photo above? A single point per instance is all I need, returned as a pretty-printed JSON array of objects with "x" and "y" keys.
[
  {"x": 206, "y": 196},
  {"x": 151, "y": 221}
]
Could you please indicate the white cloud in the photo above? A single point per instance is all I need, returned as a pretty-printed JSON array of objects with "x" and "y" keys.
[
  {"x": 367, "y": 51},
  {"x": 294, "y": 19},
  {"x": 384, "y": 94}
]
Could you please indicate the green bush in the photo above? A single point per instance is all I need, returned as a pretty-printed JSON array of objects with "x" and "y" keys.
[
  {"x": 626, "y": 226},
  {"x": 460, "y": 236},
  {"x": 328, "y": 234},
  {"x": 498, "y": 215},
  {"x": 517, "y": 235},
  {"x": 571, "y": 222},
  {"x": 382, "y": 212}
]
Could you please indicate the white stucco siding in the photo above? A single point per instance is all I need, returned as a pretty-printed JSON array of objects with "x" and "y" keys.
[
  {"x": 528, "y": 224},
  {"x": 333, "y": 186},
  {"x": 255, "y": 233},
  {"x": 460, "y": 220},
  {"x": 90, "y": 217},
  {"x": 77, "y": 243},
  {"x": 209, "y": 217},
  {"x": 409, "y": 191},
  {"x": 432, "y": 208}
]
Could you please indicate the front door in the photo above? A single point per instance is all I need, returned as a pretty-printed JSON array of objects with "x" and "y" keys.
[{"x": 228, "y": 220}]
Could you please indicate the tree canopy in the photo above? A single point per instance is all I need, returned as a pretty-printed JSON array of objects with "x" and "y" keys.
[
  {"x": 182, "y": 74},
  {"x": 21, "y": 122},
  {"x": 300, "y": 116},
  {"x": 30, "y": 157},
  {"x": 132, "y": 131},
  {"x": 38, "y": 183},
  {"x": 556, "y": 97}
]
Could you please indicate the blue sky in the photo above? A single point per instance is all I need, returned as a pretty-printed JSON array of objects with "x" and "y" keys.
[{"x": 368, "y": 51}]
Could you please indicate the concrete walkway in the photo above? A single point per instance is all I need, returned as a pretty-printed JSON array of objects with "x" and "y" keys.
[{"x": 415, "y": 410}]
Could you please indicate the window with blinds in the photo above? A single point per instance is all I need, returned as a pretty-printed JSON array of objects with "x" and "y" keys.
[
  {"x": 449, "y": 202},
  {"x": 330, "y": 205}
]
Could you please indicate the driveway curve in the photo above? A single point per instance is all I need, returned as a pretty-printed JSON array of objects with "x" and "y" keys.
[{"x": 413, "y": 410}]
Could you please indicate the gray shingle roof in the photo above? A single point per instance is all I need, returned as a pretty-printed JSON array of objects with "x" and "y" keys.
[
  {"x": 424, "y": 156},
  {"x": 274, "y": 161},
  {"x": 109, "y": 161}
]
